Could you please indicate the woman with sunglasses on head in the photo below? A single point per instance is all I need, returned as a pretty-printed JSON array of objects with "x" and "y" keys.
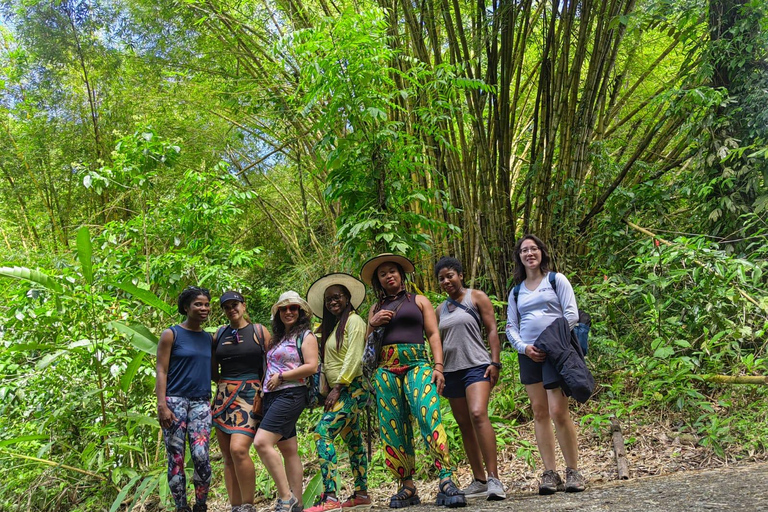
[
  {"x": 407, "y": 386},
  {"x": 238, "y": 360},
  {"x": 183, "y": 390},
  {"x": 334, "y": 298},
  {"x": 470, "y": 373},
  {"x": 291, "y": 360},
  {"x": 538, "y": 307}
]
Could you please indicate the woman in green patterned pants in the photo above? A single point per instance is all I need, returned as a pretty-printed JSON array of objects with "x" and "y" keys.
[{"x": 341, "y": 348}]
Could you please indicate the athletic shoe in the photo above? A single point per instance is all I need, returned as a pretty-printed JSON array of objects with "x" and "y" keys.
[
  {"x": 325, "y": 504},
  {"x": 495, "y": 490},
  {"x": 574, "y": 481},
  {"x": 357, "y": 502},
  {"x": 551, "y": 482},
  {"x": 476, "y": 489},
  {"x": 450, "y": 496}
]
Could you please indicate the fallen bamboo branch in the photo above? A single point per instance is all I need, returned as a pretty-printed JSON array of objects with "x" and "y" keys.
[
  {"x": 54, "y": 464},
  {"x": 700, "y": 263},
  {"x": 741, "y": 379},
  {"x": 619, "y": 452}
]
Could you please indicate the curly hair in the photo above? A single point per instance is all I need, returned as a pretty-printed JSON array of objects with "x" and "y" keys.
[
  {"x": 278, "y": 327},
  {"x": 519, "y": 274},
  {"x": 189, "y": 294},
  {"x": 448, "y": 262}
]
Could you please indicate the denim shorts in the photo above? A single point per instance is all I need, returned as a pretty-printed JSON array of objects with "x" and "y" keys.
[
  {"x": 457, "y": 382},
  {"x": 282, "y": 410}
]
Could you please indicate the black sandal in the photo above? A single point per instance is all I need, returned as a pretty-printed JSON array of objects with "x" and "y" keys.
[
  {"x": 405, "y": 497},
  {"x": 450, "y": 496}
]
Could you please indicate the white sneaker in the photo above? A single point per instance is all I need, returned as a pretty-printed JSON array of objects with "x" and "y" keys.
[
  {"x": 476, "y": 489},
  {"x": 495, "y": 490}
]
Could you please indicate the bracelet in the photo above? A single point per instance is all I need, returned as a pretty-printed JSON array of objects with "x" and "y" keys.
[
  {"x": 280, "y": 377},
  {"x": 436, "y": 370},
  {"x": 497, "y": 365},
  {"x": 441, "y": 364}
]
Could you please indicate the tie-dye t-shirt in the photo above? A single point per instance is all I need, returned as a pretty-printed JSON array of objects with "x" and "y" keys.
[{"x": 282, "y": 358}]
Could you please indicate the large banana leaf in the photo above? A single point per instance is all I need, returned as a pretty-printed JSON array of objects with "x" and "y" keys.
[
  {"x": 85, "y": 253},
  {"x": 34, "y": 276}
]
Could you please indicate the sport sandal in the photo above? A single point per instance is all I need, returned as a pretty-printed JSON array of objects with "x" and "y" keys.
[
  {"x": 405, "y": 497},
  {"x": 450, "y": 496}
]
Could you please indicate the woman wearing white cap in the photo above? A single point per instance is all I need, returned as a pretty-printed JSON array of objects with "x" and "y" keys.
[
  {"x": 291, "y": 359},
  {"x": 238, "y": 360},
  {"x": 334, "y": 298}
]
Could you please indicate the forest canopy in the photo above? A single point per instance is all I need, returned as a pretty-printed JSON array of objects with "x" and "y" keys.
[{"x": 256, "y": 145}]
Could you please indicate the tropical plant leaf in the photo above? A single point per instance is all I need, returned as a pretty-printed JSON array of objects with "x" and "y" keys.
[
  {"x": 123, "y": 493},
  {"x": 313, "y": 489},
  {"x": 146, "y": 296},
  {"x": 23, "y": 439},
  {"x": 85, "y": 253},
  {"x": 34, "y": 276},
  {"x": 139, "y": 336},
  {"x": 130, "y": 372}
]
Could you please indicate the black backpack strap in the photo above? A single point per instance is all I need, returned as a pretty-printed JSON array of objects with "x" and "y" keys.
[
  {"x": 259, "y": 334},
  {"x": 217, "y": 338},
  {"x": 553, "y": 280},
  {"x": 468, "y": 310}
]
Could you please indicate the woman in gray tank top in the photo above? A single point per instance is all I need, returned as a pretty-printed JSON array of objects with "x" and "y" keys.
[{"x": 470, "y": 373}]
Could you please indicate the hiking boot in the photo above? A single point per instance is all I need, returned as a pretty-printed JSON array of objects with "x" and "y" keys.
[
  {"x": 405, "y": 497},
  {"x": 357, "y": 502},
  {"x": 550, "y": 483},
  {"x": 450, "y": 496},
  {"x": 495, "y": 490},
  {"x": 574, "y": 481},
  {"x": 200, "y": 507},
  {"x": 325, "y": 504},
  {"x": 476, "y": 489}
]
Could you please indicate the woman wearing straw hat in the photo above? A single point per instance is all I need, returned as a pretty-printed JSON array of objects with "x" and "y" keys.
[
  {"x": 405, "y": 382},
  {"x": 334, "y": 298},
  {"x": 291, "y": 359},
  {"x": 238, "y": 352}
]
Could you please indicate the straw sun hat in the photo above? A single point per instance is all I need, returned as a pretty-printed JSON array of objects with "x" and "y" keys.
[
  {"x": 370, "y": 266},
  {"x": 291, "y": 297},
  {"x": 316, "y": 292}
]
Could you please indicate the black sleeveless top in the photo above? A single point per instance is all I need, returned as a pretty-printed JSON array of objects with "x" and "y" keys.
[
  {"x": 238, "y": 353},
  {"x": 407, "y": 326}
]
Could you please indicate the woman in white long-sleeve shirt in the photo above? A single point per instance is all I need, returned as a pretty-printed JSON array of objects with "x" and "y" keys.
[{"x": 535, "y": 308}]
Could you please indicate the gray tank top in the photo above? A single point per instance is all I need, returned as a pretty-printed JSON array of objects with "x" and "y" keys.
[{"x": 463, "y": 345}]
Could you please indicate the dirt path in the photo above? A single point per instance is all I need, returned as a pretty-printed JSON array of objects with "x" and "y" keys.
[{"x": 729, "y": 488}]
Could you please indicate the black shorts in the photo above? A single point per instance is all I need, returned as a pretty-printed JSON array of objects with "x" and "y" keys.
[
  {"x": 282, "y": 410},
  {"x": 532, "y": 372},
  {"x": 456, "y": 383}
]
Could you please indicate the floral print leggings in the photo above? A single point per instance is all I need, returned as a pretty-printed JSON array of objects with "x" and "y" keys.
[
  {"x": 343, "y": 420},
  {"x": 193, "y": 421},
  {"x": 404, "y": 390}
]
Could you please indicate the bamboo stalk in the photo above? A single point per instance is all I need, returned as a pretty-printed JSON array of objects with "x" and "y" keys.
[{"x": 739, "y": 379}]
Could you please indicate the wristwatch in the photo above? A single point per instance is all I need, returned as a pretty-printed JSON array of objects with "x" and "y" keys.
[{"x": 497, "y": 365}]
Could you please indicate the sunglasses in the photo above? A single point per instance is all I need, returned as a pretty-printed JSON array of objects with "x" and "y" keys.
[
  {"x": 293, "y": 308},
  {"x": 334, "y": 298},
  {"x": 236, "y": 334}
]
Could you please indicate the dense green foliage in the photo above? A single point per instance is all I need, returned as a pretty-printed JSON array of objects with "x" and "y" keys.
[{"x": 255, "y": 145}]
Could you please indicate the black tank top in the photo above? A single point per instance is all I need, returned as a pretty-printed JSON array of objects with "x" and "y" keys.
[
  {"x": 408, "y": 324},
  {"x": 239, "y": 359}
]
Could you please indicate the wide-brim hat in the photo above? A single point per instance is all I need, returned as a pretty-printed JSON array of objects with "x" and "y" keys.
[
  {"x": 316, "y": 292},
  {"x": 291, "y": 297},
  {"x": 370, "y": 266}
]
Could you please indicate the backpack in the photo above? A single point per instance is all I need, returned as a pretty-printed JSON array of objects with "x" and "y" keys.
[
  {"x": 580, "y": 331},
  {"x": 313, "y": 381}
]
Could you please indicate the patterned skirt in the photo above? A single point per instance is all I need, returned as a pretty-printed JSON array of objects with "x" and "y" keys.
[{"x": 232, "y": 408}]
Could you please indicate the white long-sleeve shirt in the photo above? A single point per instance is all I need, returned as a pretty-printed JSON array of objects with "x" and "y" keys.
[{"x": 537, "y": 309}]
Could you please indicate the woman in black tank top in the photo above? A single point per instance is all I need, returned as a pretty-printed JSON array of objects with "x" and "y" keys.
[
  {"x": 238, "y": 360},
  {"x": 406, "y": 381}
]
